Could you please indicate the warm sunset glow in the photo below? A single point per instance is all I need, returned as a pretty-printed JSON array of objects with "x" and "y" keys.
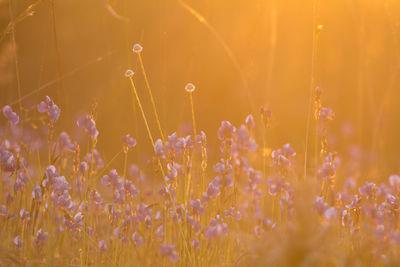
[{"x": 199, "y": 133}]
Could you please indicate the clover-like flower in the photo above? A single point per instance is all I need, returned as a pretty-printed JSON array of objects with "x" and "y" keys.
[
  {"x": 190, "y": 87},
  {"x": 128, "y": 142},
  {"x": 102, "y": 246},
  {"x": 10, "y": 115},
  {"x": 40, "y": 237},
  {"x": 89, "y": 125},
  {"x": 169, "y": 252},
  {"x": 137, "y": 48},
  {"x": 50, "y": 108},
  {"x": 129, "y": 73},
  {"x": 18, "y": 242}
]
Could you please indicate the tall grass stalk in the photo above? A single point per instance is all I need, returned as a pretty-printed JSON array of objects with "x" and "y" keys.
[
  {"x": 312, "y": 84},
  {"x": 151, "y": 96}
]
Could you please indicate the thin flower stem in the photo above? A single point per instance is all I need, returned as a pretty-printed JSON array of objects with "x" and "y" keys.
[
  {"x": 151, "y": 97},
  {"x": 135, "y": 95},
  {"x": 193, "y": 117},
  {"x": 312, "y": 82}
]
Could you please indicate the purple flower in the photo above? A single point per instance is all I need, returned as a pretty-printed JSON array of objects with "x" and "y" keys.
[
  {"x": 137, "y": 239},
  {"x": 37, "y": 192},
  {"x": 169, "y": 252},
  {"x": 65, "y": 142},
  {"x": 78, "y": 219},
  {"x": 212, "y": 191},
  {"x": 250, "y": 122},
  {"x": 394, "y": 181},
  {"x": 160, "y": 232},
  {"x": 102, "y": 246},
  {"x": 7, "y": 160},
  {"x": 98, "y": 161},
  {"x": 128, "y": 141},
  {"x": 195, "y": 244},
  {"x": 368, "y": 190},
  {"x": 11, "y": 116},
  {"x": 159, "y": 149},
  {"x": 18, "y": 242},
  {"x": 226, "y": 130},
  {"x": 50, "y": 108},
  {"x": 89, "y": 125},
  {"x": 20, "y": 182},
  {"x": 61, "y": 185},
  {"x": 288, "y": 151},
  {"x": 96, "y": 197},
  {"x": 64, "y": 200},
  {"x": 197, "y": 207},
  {"x": 201, "y": 138},
  {"x": 130, "y": 188},
  {"x": 326, "y": 114},
  {"x": 216, "y": 228},
  {"x": 40, "y": 237},
  {"x": 83, "y": 167},
  {"x": 24, "y": 215}
]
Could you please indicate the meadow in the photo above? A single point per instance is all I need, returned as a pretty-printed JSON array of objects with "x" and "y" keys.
[{"x": 199, "y": 133}]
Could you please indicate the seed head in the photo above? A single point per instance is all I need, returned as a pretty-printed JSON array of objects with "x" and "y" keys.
[
  {"x": 190, "y": 87},
  {"x": 129, "y": 73},
  {"x": 137, "y": 48}
]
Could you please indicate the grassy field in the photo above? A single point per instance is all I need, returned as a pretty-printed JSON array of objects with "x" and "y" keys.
[{"x": 199, "y": 133}]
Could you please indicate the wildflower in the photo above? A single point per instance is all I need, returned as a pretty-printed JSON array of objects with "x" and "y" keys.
[
  {"x": 96, "y": 197},
  {"x": 160, "y": 232},
  {"x": 7, "y": 160},
  {"x": 326, "y": 114},
  {"x": 244, "y": 141},
  {"x": 320, "y": 205},
  {"x": 159, "y": 149},
  {"x": 18, "y": 242},
  {"x": 129, "y": 73},
  {"x": 195, "y": 244},
  {"x": 216, "y": 228},
  {"x": 19, "y": 182},
  {"x": 11, "y": 116},
  {"x": 330, "y": 213},
  {"x": 197, "y": 207},
  {"x": 250, "y": 122},
  {"x": 394, "y": 181},
  {"x": 83, "y": 167},
  {"x": 102, "y": 246},
  {"x": 50, "y": 108},
  {"x": 368, "y": 190},
  {"x": 78, "y": 218},
  {"x": 137, "y": 239},
  {"x": 169, "y": 252},
  {"x": 51, "y": 174},
  {"x": 40, "y": 237},
  {"x": 98, "y": 161},
  {"x": 3, "y": 210},
  {"x": 65, "y": 142},
  {"x": 212, "y": 191},
  {"x": 190, "y": 87},
  {"x": 226, "y": 130},
  {"x": 24, "y": 215},
  {"x": 128, "y": 142},
  {"x": 64, "y": 200},
  {"x": 61, "y": 185},
  {"x": 137, "y": 48},
  {"x": 201, "y": 138},
  {"x": 89, "y": 125},
  {"x": 130, "y": 188}
]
